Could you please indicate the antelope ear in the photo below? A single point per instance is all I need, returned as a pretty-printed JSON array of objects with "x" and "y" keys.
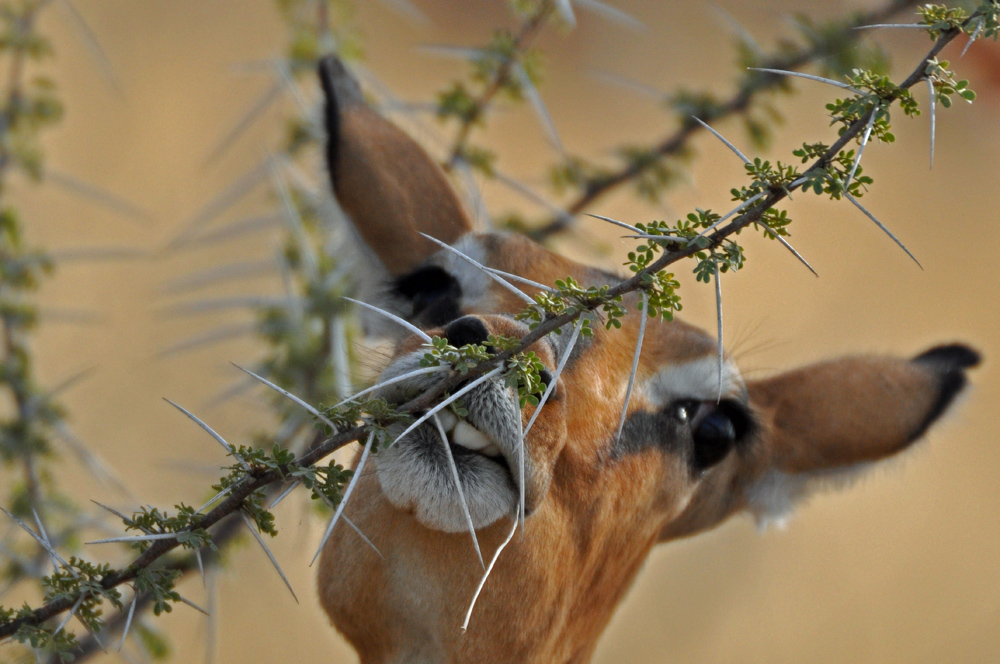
[
  {"x": 390, "y": 189},
  {"x": 823, "y": 423}
]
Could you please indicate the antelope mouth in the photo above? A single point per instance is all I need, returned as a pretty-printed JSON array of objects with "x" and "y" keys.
[{"x": 482, "y": 451}]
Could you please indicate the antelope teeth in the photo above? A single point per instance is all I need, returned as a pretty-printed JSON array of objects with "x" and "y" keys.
[{"x": 465, "y": 435}]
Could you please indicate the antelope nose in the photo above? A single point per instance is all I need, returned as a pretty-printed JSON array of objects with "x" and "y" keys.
[{"x": 466, "y": 330}]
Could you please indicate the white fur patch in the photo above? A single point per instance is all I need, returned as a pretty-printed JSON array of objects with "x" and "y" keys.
[
  {"x": 474, "y": 282},
  {"x": 774, "y": 497},
  {"x": 697, "y": 379}
]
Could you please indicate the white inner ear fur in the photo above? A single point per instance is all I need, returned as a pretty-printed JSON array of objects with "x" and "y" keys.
[
  {"x": 774, "y": 497},
  {"x": 697, "y": 379}
]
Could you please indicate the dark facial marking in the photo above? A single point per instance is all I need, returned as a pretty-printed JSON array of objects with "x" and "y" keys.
[{"x": 433, "y": 293}]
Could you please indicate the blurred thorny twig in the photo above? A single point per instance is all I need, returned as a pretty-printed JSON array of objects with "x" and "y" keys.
[{"x": 863, "y": 114}]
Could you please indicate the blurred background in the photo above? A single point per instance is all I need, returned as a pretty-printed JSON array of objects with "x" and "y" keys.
[{"x": 903, "y": 567}]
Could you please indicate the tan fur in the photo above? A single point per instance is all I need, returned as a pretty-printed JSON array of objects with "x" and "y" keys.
[{"x": 602, "y": 505}]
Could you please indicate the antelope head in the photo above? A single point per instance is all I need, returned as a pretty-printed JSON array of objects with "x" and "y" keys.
[{"x": 595, "y": 501}]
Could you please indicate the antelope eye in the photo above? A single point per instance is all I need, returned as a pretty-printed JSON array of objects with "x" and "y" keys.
[
  {"x": 714, "y": 436},
  {"x": 684, "y": 411},
  {"x": 716, "y": 428}
]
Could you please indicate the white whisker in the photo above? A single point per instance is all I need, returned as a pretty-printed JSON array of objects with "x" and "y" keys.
[
  {"x": 347, "y": 494},
  {"x": 393, "y": 317},
  {"x": 458, "y": 487},
  {"x": 644, "y": 314}
]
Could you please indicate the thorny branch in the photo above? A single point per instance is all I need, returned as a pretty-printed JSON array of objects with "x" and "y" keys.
[
  {"x": 258, "y": 479},
  {"x": 677, "y": 142},
  {"x": 529, "y": 30}
]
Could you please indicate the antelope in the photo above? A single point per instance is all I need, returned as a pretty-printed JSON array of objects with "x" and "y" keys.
[{"x": 595, "y": 501}]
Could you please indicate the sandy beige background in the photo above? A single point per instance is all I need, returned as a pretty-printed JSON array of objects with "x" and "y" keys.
[{"x": 905, "y": 567}]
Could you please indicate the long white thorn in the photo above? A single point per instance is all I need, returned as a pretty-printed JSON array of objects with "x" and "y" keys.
[
  {"x": 210, "y": 431},
  {"x": 718, "y": 313},
  {"x": 644, "y": 314},
  {"x": 535, "y": 99},
  {"x": 214, "y": 499},
  {"x": 347, "y": 494},
  {"x": 722, "y": 138},
  {"x": 664, "y": 238},
  {"x": 790, "y": 248},
  {"x": 882, "y": 226},
  {"x": 149, "y": 537},
  {"x": 69, "y": 616},
  {"x": 256, "y": 109},
  {"x": 611, "y": 13},
  {"x": 519, "y": 279},
  {"x": 128, "y": 620},
  {"x": 195, "y": 606},
  {"x": 744, "y": 204},
  {"x": 555, "y": 377},
  {"x": 615, "y": 222},
  {"x": 457, "y": 395},
  {"x": 285, "y": 393},
  {"x": 393, "y": 317},
  {"x": 45, "y": 537},
  {"x": 260, "y": 540},
  {"x": 376, "y": 386},
  {"x": 922, "y": 26},
  {"x": 111, "y": 510},
  {"x": 513, "y": 289},
  {"x": 295, "y": 225},
  {"x": 811, "y": 77},
  {"x": 975, "y": 35},
  {"x": 489, "y": 569},
  {"x": 861, "y": 149},
  {"x": 201, "y": 567},
  {"x": 565, "y": 11},
  {"x": 284, "y": 494},
  {"x": 458, "y": 488},
  {"x": 932, "y": 99},
  {"x": 41, "y": 542},
  {"x": 363, "y": 537}
]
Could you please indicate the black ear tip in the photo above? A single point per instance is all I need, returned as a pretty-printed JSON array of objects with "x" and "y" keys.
[
  {"x": 339, "y": 85},
  {"x": 950, "y": 357}
]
